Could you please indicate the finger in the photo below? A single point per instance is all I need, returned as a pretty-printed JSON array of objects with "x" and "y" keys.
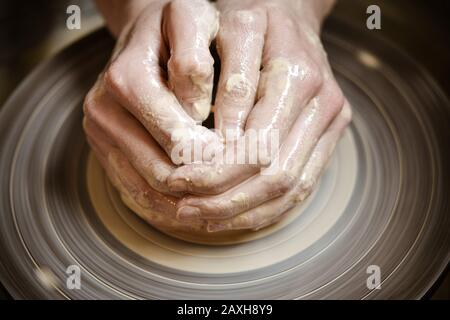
[
  {"x": 241, "y": 159},
  {"x": 282, "y": 174},
  {"x": 190, "y": 26},
  {"x": 238, "y": 162},
  {"x": 273, "y": 210},
  {"x": 152, "y": 206},
  {"x": 127, "y": 180},
  {"x": 209, "y": 178},
  {"x": 322, "y": 153},
  {"x": 268, "y": 223},
  {"x": 137, "y": 82},
  {"x": 108, "y": 121},
  {"x": 240, "y": 42},
  {"x": 255, "y": 218},
  {"x": 245, "y": 196},
  {"x": 290, "y": 78}
]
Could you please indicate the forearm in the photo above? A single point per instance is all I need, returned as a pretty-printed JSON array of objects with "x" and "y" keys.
[{"x": 118, "y": 12}]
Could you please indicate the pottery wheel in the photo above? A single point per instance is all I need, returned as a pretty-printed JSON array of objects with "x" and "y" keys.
[{"x": 382, "y": 201}]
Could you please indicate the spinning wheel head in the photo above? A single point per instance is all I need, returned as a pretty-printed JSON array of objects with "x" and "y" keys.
[{"x": 381, "y": 202}]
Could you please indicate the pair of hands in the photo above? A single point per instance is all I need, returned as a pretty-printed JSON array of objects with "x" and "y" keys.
[{"x": 157, "y": 89}]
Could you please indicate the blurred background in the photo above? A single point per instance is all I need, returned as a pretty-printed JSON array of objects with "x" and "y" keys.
[{"x": 32, "y": 31}]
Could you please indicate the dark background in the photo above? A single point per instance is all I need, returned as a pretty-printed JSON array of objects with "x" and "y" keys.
[{"x": 31, "y": 31}]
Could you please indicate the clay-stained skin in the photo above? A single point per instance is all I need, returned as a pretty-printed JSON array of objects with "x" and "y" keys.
[
  {"x": 272, "y": 210},
  {"x": 239, "y": 86},
  {"x": 119, "y": 129},
  {"x": 301, "y": 138},
  {"x": 133, "y": 119},
  {"x": 296, "y": 95},
  {"x": 294, "y": 155},
  {"x": 278, "y": 86},
  {"x": 137, "y": 82},
  {"x": 274, "y": 76},
  {"x": 159, "y": 220},
  {"x": 239, "y": 42},
  {"x": 190, "y": 66},
  {"x": 157, "y": 209},
  {"x": 164, "y": 118}
]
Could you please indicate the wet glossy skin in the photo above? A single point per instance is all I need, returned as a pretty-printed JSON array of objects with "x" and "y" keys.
[{"x": 275, "y": 77}]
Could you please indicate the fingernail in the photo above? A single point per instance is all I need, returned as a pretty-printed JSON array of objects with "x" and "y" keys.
[
  {"x": 178, "y": 185},
  {"x": 188, "y": 213},
  {"x": 216, "y": 227}
]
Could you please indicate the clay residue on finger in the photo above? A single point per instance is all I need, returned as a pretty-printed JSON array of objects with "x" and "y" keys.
[
  {"x": 241, "y": 199},
  {"x": 238, "y": 86},
  {"x": 202, "y": 87},
  {"x": 277, "y": 82},
  {"x": 117, "y": 164},
  {"x": 202, "y": 108},
  {"x": 158, "y": 172},
  {"x": 161, "y": 219}
]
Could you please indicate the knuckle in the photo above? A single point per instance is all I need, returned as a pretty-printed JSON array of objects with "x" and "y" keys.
[
  {"x": 88, "y": 107},
  {"x": 114, "y": 76},
  {"x": 245, "y": 221},
  {"x": 188, "y": 64},
  {"x": 311, "y": 71},
  {"x": 158, "y": 170},
  {"x": 284, "y": 182},
  {"x": 217, "y": 208},
  {"x": 313, "y": 76},
  {"x": 91, "y": 106},
  {"x": 223, "y": 207},
  {"x": 300, "y": 196},
  {"x": 305, "y": 186},
  {"x": 303, "y": 190},
  {"x": 334, "y": 95}
]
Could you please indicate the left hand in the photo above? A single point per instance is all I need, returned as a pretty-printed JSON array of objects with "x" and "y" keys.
[{"x": 296, "y": 95}]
